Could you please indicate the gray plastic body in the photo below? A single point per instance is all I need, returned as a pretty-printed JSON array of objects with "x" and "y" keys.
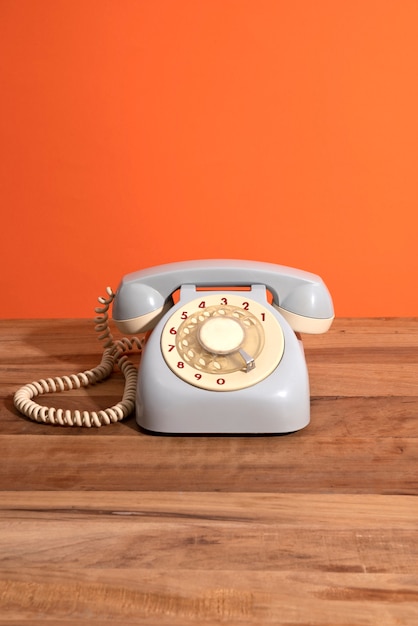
[{"x": 278, "y": 404}]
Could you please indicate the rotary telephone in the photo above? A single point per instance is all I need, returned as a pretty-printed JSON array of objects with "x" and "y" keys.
[{"x": 222, "y": 359}]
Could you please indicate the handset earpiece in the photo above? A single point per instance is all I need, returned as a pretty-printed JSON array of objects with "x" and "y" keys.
[
  {"x": 307, "y": 307},
  {"x": 138, "y": 307}
]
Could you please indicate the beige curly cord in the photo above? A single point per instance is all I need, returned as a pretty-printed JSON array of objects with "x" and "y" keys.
[{"x": 114, "y": 355}]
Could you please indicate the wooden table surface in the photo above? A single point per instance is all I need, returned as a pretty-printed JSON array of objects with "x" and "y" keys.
[{"x": 110, "y": 525}]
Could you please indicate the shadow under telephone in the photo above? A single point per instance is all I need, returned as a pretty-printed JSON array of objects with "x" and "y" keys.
[{"x": 221, "y": 360}]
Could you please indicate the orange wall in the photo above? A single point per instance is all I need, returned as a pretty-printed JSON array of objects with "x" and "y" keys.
[{"x": 139, "y": 132}]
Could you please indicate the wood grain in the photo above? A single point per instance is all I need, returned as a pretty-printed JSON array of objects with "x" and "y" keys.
[
  {"x": 191, "y": 556},
  {"x": 113, "y": 525}
]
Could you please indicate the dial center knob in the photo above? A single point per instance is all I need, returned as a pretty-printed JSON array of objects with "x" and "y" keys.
[{"x": 221, "y": 335}]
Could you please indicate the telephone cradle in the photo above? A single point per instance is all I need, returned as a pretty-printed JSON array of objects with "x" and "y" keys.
[{"x": 226, "y": 358}]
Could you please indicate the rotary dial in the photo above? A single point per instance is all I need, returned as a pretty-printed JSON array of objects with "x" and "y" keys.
[{"x": 222, "y": 343}]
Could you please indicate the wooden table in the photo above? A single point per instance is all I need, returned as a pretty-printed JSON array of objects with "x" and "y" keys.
[{"x": 110, "y": 525}]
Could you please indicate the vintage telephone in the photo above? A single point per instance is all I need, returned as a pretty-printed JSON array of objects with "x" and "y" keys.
[{"x": 220, "y": 360}]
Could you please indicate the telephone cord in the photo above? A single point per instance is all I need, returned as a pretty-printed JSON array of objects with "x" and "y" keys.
[{"x": 114, "y": 355}]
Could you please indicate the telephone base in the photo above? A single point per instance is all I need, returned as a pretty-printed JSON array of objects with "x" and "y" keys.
[
  {"x": 273, "y": 400},
  {"x": 155, "y": 433},
  {"x": 280, "y": 404},
  {"x": 249, "y": 425}
]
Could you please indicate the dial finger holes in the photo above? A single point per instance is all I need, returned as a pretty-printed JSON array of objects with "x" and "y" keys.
[{"x": 213, "y": 344}]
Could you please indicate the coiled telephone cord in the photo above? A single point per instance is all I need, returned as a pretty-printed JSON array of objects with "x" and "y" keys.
[{"x": 114, "y": 355}]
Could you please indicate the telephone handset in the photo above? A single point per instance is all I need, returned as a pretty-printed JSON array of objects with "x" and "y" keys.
[
  {"x": 220, "y": 360},
  {"x": 223, "y": 361}
]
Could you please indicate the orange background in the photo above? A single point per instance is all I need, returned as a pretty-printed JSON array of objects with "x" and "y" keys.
[{"x": 140, "y": 132}]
